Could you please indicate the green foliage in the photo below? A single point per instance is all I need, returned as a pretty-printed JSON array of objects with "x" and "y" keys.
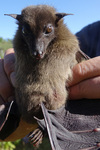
[
  {"x": 7, "y": 146},
  {"x": 20, "y": 145},
  {"x": 1, "y": 39},
  {"x": 4, "y": 45}
]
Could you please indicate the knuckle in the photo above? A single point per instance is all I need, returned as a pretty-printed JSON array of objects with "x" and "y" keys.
[
  {"x": 9, "y": 61},
  {"x": 81, "y": 70},
  {"x": 8, "y": 51}
]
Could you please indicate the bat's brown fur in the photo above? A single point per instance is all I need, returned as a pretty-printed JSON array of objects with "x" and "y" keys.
[{"x": 43, "y": 79}]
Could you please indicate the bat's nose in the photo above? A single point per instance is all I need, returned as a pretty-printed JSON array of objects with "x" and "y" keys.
[
  {"x": 38, "y": 54},
  {"x": 39, "y": 49}
]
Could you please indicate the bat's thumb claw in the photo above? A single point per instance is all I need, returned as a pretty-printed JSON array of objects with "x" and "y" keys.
[{"x": 36, "y": 118}]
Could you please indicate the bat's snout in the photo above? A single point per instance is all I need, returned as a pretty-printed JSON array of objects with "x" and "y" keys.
[
  {"x": 38, "y": 54},
  {"x": 39, "y": 50}
]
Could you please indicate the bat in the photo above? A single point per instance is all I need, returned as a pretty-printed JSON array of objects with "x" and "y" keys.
[
  {"x": 9, "y": 119},
  {"x": 45, "y": 52}
]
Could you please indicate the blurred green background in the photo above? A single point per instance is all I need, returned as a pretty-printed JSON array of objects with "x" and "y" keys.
[
  {"x": 4, "y": 45},
  {"x": 19, "y": 144}
]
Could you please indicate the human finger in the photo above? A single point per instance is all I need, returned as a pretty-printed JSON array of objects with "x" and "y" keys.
[
  {"x": 6, "y": 89},
  {"x": 89, "y": 89},
  {"x": 9, "y": 64},
  {"x": 9, "y": 61},
  {"x": 85, "y": 70}
]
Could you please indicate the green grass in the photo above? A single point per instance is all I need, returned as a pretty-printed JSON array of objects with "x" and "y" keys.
[{"x": 4, "y": 45}]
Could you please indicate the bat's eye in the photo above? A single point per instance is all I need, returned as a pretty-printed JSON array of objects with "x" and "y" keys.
[
  {"x": 24, "y": 31},
  {"x": 48, "y": 29}
]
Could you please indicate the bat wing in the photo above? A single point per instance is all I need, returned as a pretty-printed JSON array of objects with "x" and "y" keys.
[
  {"x": 9, "y": 119},
  {"x": 80, "y": 55},
  {"x": 70, "y": 128},
  {"x": 76, "y": 126}
]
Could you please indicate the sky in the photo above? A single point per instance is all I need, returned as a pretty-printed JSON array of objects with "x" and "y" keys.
[{"x": 85, "y": 12}]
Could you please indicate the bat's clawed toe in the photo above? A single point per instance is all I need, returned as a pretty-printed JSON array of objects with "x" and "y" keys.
[{"x": 36, "y": 137}]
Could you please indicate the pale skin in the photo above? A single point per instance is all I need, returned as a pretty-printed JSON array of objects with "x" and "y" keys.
[
  {"x": 85, "y": 84},
  {"x": 86, "y": 80}
]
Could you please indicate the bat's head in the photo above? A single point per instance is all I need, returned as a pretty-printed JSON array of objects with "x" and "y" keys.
[{"x": 37, "y": 28}]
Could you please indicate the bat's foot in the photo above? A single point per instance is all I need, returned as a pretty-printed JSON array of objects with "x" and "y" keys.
[{"x": 36, "y": 137}]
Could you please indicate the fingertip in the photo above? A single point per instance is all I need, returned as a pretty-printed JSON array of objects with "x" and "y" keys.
[
  {"x": 79, "y": 70},
  {"x": 8, "y": 51}
]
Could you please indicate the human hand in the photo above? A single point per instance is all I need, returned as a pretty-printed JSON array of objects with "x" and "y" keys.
[
  {"x": 86, "y": 80},
  {"x": 7, "y": 77}
]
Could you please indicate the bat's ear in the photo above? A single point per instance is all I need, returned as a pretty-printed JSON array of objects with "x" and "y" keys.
[
  {"x": 60, "y": 16},
  {"x": 15, "y": 16}
]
